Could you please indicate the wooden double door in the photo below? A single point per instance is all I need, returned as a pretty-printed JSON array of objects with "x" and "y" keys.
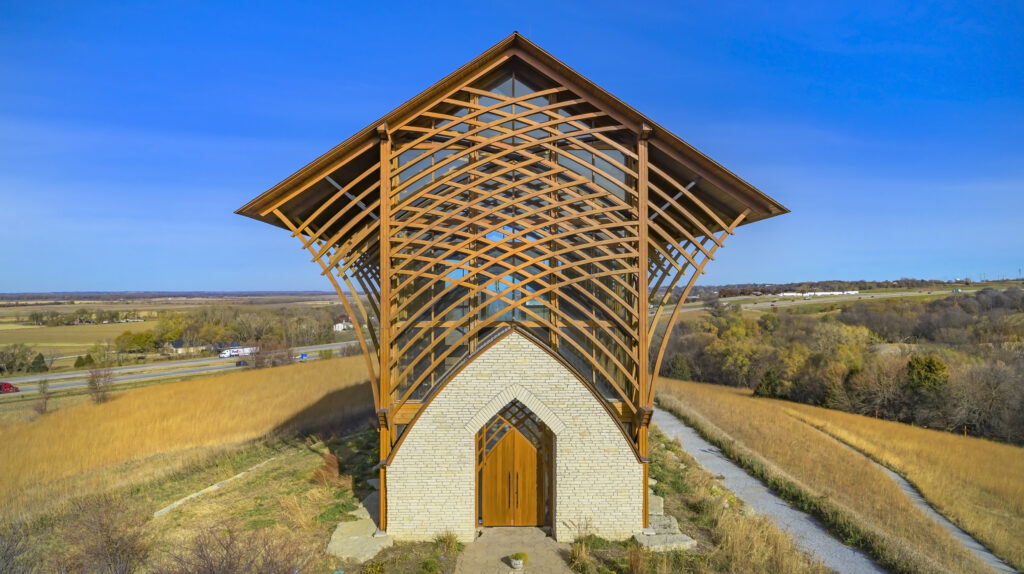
[{"x": 513, "y": 472}]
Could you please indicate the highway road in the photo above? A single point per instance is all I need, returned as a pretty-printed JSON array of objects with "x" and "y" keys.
[{"x": 135, "y": 373}]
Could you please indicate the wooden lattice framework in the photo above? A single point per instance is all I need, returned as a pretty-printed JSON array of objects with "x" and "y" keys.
[{"x": 513, "y": 194}]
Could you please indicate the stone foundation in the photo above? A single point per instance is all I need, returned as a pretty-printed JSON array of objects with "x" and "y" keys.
[{"x": 598, "y": 481}]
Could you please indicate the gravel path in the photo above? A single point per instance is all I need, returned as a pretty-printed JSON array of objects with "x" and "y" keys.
[
  {"x": 915, "y": 496},
  {"x": 808, "y": 533},
  {"x": 991, "y": 560}
]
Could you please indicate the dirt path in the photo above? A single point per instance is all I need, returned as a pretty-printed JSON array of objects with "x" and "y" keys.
[
  {"x": 915, "y": 496},
  {"x": 808, "y": 533}
]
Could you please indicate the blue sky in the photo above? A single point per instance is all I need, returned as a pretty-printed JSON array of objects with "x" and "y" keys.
[{"x": 129, "y": 134}]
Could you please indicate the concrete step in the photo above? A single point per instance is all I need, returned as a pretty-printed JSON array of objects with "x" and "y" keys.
[
  {"x": 655, "y": 505},
  {"x": 664, "y": 524},
  {"x": 665, "y": 542}
]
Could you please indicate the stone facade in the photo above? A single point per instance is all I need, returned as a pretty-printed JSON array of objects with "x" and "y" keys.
[{"x": 598, "y": 480}]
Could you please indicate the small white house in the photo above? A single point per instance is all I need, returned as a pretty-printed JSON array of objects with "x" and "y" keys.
[{"x": 342, "y": 326}]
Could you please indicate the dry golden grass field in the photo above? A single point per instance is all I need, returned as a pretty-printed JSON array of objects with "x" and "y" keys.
[
  {"x": 145, "y": 433},
  {"x": 823, "y": 467},
  {"x": 976, "y": 483}
]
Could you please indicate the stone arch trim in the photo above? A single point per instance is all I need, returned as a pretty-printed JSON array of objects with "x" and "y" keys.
[
  {"x": 595, "y": 474},
  {"x": 480, "y": 352},
  {"x": 524, "y": 396}
]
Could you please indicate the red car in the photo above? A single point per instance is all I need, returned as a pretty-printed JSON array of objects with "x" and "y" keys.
[{"x": 8, "y": 388}]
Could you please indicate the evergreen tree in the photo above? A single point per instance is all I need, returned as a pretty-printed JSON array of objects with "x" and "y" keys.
[{"x": 38, "y": 364}]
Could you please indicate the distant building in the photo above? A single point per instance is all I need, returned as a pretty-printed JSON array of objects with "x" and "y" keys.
[
  {"x": 179, "y": 347},
  {"x": 818, "y": 293},
  {"x": 342, "y": 326}
]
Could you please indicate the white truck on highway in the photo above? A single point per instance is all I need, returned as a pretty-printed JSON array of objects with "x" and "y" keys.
[{"x": 239, "y": 352}]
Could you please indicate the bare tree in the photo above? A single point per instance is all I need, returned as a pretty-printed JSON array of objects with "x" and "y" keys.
[
  {"x": 99, "y": 383},
  {"x": 51, "y": 357},
  {"x": 222, "y": 550},
  {"x": 42, "y": 405},
  {"x": 13, "y": 549},
  {"x": 109, "y": 536}
]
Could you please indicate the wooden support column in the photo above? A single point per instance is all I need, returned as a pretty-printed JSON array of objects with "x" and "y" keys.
[
  {"x": 383, "y": 415},
  {"x": 643, "y": 375}
]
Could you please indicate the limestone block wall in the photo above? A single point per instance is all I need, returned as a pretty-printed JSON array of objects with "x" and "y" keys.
[{"x": 598, "y": 480}]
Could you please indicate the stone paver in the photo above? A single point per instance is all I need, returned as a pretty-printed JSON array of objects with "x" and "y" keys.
[
  {"x": 357, "y": 540},
  {"x": 489, "y": 553}
]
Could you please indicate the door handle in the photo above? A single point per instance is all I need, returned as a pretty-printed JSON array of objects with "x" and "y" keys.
[
  {"x": 517, "y": 489},
  {"x": 510, "y": 490}
]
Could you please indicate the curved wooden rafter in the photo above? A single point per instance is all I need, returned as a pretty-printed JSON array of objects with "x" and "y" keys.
[
  {"x": 348, "y": 309},
  {"x": 517, "y": 195},
  {"x": 546, "y": 208}
]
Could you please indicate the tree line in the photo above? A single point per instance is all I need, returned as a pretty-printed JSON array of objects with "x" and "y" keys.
[
  {"x": 79, "y": 316},
  {"x": 219, "y": 325},
  {"x": 740, "y": 289},
  {"x": 955, "y": 363}
]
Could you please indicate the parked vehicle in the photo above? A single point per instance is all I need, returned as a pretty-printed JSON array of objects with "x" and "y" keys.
[{"x": 8, "y": 388}]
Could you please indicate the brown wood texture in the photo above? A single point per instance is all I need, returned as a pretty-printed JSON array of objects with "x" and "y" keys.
[
  {"x": 511, "y": 202},
  {"x": 513, "y": 474},
  {"x": 514, "y": 194}
]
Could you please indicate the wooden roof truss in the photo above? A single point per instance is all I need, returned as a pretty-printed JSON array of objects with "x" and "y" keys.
[{"x": 512, "y": 195}]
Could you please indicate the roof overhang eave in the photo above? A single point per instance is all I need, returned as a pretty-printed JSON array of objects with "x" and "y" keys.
[{"x": 760, "y": 206}]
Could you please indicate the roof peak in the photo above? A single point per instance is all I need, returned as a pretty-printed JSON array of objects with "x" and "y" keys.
[{"x": 534, "y": 56}]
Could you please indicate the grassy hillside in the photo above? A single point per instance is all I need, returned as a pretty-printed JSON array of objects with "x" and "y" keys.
[
  {"x": 976, "y": 483},
  {"x": 845, "y": 489},
  {"x": 152, "y": 431}
]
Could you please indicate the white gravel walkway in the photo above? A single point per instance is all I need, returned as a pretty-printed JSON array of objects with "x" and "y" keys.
[{"x": 808, "y": 533}]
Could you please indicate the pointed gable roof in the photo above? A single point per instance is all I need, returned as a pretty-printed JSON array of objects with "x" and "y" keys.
[{"x": 715, "y": 181}]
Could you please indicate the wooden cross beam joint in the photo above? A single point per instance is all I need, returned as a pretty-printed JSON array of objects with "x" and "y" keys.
[{"x": 642, "y": 417}]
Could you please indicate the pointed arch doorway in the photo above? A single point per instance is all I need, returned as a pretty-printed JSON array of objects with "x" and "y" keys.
[{"x": 514, "y": 455}]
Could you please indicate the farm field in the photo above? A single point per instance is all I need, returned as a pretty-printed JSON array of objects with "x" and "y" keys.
[
  {"x": 61, "y": 345},
  {"x": 65, "y": 340},
  {"x": 11, "y": 311},
  {"x": 145, "y": 433},
  {"x": 843, "y": 482}
]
